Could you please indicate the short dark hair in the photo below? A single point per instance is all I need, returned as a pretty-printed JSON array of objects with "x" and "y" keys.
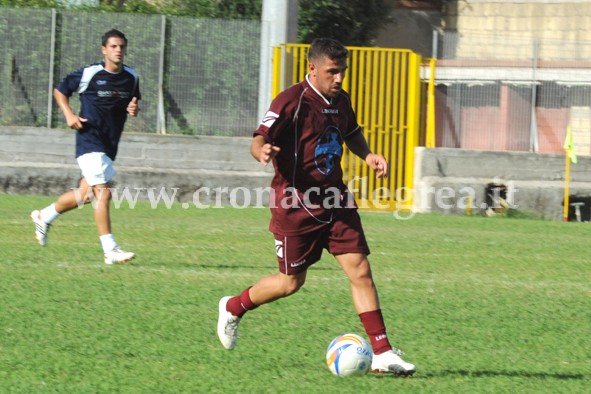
[
  {"x": 113, "y": 33},
  {"x": 329, "y": 47}
]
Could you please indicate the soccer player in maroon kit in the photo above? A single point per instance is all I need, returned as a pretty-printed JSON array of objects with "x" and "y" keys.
[{"x": 311, "y": 209}]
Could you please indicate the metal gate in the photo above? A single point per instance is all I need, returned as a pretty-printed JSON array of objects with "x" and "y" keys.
[{"x": 385, "y": 89}]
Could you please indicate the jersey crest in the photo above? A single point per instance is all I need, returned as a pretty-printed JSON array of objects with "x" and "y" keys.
[{"x": 328, "y": 150}]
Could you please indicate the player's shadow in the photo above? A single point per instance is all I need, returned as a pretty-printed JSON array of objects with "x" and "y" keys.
[{"x": 445, "y": 373}]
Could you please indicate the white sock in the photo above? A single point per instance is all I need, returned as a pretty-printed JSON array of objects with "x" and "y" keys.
[
  {"x": 49, "y": 214},
  {"x": 108, "y": 242}
]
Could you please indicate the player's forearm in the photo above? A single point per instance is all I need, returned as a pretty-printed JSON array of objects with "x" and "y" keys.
[
  {"x": 63, "y": 102},
  {"x": 358, "y": 145},
  {"x": 256, "y": 146},
  {"x": 263, "y": 151}
]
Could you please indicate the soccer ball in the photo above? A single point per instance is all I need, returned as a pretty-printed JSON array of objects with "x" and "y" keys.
[{"x": 349, "y": 355}]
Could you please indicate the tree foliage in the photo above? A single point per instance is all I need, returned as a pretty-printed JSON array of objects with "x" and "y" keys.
[
  {"x": 221, "y": 9},
  {"x": 31, "y": 3},
  {"x": 353, "y": 22}
]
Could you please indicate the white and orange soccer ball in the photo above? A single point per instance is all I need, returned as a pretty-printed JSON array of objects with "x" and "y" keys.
[{"x": 349, "y": 355}]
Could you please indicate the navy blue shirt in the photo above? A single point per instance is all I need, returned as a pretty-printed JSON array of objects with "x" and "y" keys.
[{"x": 104, "y": 97}]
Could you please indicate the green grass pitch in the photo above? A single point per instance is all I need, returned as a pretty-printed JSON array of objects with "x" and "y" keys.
[{"x": 480, "y": 305}]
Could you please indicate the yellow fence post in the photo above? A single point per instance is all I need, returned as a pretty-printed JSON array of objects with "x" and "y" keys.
[{"x": 277, "y": 61}]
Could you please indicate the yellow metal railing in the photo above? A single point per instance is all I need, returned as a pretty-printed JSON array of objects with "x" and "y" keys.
[{"x": 385, "y": 89}]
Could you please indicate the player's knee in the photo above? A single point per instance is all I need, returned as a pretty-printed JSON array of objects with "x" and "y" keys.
[
  {"x": 365, "y": 281},
  {"x": 292, "y": 286},
  {"x": 362, "y": 275},
  {"x": 102, "y": 194}
]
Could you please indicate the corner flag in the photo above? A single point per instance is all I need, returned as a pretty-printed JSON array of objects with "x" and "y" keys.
[{"x": 569, "y": 147}]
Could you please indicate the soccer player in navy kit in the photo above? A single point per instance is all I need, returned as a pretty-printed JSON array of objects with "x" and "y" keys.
[
  {"x": 311, "y": 209},
  {"x": 109, "y": 91}
]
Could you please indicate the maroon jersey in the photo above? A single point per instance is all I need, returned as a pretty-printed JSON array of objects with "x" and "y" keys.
[{"x": 308, "y": 188}]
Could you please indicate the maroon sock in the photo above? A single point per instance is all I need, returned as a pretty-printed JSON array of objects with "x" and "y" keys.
[
  {"x": 373, "y": 322},
  {"x": 238, "y": 305}
]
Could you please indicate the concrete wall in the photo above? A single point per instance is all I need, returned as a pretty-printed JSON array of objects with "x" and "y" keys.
[
  {"x": 41, "y": 161},
  {"x": 499, "y": 29},
  {"x": 551, "y": 21},
  {"x": 410, "y": 29},
  {"x": 445, "y": 177}
]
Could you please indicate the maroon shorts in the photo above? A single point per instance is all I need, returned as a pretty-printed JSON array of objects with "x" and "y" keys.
[{"x": 295, "y": 253}]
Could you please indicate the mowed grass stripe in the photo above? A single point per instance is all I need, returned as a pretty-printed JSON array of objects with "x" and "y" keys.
[{"x": 479, "y": 304}]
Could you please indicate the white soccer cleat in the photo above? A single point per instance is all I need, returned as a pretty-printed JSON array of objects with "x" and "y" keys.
[
  {"x": 391, "y": 362},
  {"x": 227, "y": 325},
  {"x": 118, "y": 256},
  {"x": 41, "y": 228}
]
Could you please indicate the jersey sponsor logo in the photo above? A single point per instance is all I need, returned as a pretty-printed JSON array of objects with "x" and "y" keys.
[
  {"x": 113, "y": 93},
  {"x": 101, "y": 82},
  {"x": 269, "y": 119},
  {"x": 328, "y": 150},
  {"x": 334, "y": 111},
  {"x": 293, "y": 265}
]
